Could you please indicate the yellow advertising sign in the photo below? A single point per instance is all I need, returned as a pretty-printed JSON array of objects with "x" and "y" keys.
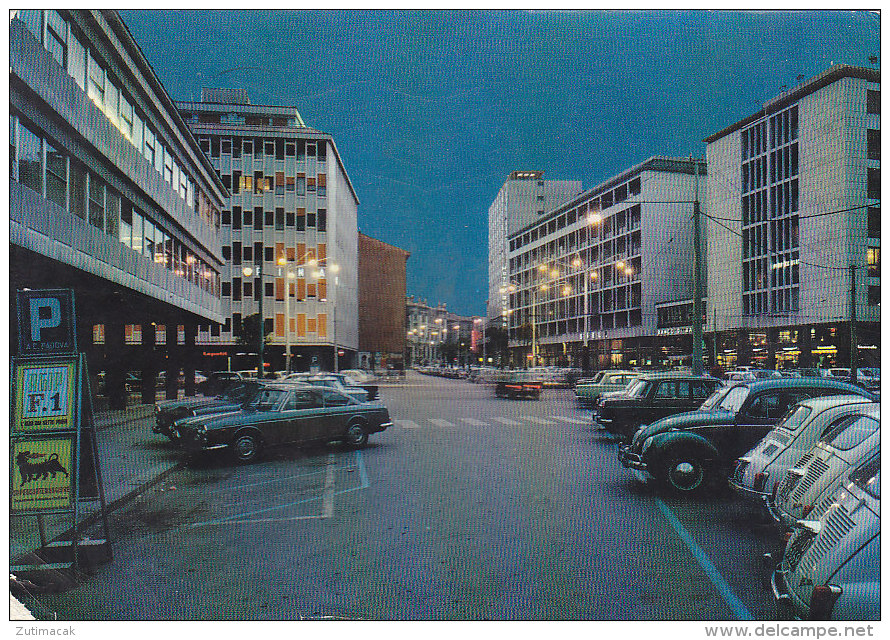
[
  {"x": 44, "y": 397},
  {"x": 42, "y": 474}
]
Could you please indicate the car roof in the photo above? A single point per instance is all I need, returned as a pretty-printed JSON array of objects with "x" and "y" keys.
[
  {"x": 674, "y": 375},
  {"x": 828, "y": 402},
  {"x": 797, "y": 383}
]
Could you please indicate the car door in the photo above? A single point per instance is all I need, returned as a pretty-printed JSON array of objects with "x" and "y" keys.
[
  {"x": 759, "y": 415},
  {"x": 302, "y": 414},
  {"x": 699, "y": 391},
  {"x": 338, "y": 409},
  {"x": 670, "y": 397}
]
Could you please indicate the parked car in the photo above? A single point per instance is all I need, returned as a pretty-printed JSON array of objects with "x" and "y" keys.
[
  {"x": 851, "y": 440},
  {"x": 758, "y": 473},
  {"x": 284, "y": 414},
  {"x": 232, "y": 397},
  {"x": 690, "y": 451},
  {"x": 359, "y": 377},
  {"x": 216, "y": 381},
  {"x": 587, "y": 394},
  {"x": 334, "y": 381},
  {"x": 649, "y": 398},
  {"x": 831, "y": 567},
  {"x": 517, "y": 384}
]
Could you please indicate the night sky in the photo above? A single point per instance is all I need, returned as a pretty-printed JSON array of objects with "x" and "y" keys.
[{"x": 432, "y": 110}]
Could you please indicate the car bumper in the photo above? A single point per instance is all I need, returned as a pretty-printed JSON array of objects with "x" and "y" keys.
[
  {"x": 782, "y": 596},
  {"x": 747, "y": 492},
  {"x": 631, "y": 459}
]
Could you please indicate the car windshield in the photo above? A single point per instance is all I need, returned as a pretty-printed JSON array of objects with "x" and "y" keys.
[
  {"x": 794, "y": 418},
  {"x": 714, "y": 399},
  {"x": 852, "y": 432},
  {"x": 734, "y": 399},
  {"x": 265, "y": 399},
  {"x": 638, "y": 388}
]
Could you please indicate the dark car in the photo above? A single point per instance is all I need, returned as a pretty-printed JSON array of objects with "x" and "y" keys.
[
  {"x": 217, "y": 381},
  {"x": 284, "y": 414},
  {"x": 517, "y": 384},
  {"x": 650, "y": 398},
  {"x": 169, "y": 411},
  {"x": 690, "y": 450}
]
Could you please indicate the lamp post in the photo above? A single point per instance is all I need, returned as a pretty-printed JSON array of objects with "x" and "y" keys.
[{"x": 261, "y": 328}]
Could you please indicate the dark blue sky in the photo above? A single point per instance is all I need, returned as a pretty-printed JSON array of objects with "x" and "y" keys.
[{"x": 432, "y": 110}]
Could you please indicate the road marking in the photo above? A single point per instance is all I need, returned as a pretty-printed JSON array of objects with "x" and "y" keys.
[
  {"x": 442, "y": 423},
  {"x": 737, "y": 606},
  {"x": 327, "y": 502},
  {"x": 473, "y": 422},
  {"x": 327, "y": 495},
  {"x": 407, "y": 424},
  {"x": 570, "y": 420},
  {"x": 537, "y": 420},
  {"x": 507, "y": 421}
]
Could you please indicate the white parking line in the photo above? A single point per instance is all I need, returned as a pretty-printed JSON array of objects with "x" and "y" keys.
[
  {"x": 507, "y": 421},
  {"x": 570, "y": 420},
  {"x": 327, "y": 501},
  {"x": 731, "y": 599},
  {"x": 473, "y": 422},
  {"x": 537, "y": 420},
  {"x": 407, "y": 424},
  {"x": 442, "y": 423}
]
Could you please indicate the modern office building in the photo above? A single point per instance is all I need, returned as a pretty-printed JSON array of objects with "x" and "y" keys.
[
  {"x": 585, "y": 280},
  {"x": 110, "y": 196},
  {"x": 289, "y": 234},
  {"x": 523, "y": 198},
  {"x": 382, "y": 282},
  {"x": 794, "y": 195}
]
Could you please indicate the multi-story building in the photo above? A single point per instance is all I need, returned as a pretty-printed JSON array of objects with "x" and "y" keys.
[
  {"x": 523, "y": 198},
  {"x": 584, "y": 280},
  {"x": 794, "y": 200},
  {"x": 289, "y": 233},
  {"x": 437, "y": 336},
  {"x": 382, "y": 281},
  {"x": 110, "y": 196}
]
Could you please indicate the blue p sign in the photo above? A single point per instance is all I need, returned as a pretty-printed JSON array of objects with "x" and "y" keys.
[
  {"x": 46, "y": 321},
  {"x": 40, "y": 320}
]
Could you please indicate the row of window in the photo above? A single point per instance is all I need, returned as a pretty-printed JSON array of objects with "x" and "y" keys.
[
  {"x": 301, "y": 325},
  {"x": 592, "y": 206},
  {"x": 280, "y": 219},
  {"x": 259, "y": 148},
  {"x": 296, "y": 256},
  {"x": 259, "y": 184},
  {"x": 104, "y": 90},
  {"x": 39, "y": 165},
  {"x": 301, "y": 289}
]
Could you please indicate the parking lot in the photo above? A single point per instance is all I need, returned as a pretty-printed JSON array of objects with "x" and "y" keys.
[{"x": 469, "y": 507}]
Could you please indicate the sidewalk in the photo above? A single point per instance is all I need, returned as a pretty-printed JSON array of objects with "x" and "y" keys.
[{"x": 131, "y": 457}]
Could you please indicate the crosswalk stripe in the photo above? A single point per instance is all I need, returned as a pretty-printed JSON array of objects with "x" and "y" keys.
[
  {"x": 537, "y": 420},
  {"x": 407, "y": 424},
  {"x": 473, "y": 422},
  {"x": 570, "y": 420},
  {"x": 442, "y": 423},
  {"x": 507, "y": 421}
]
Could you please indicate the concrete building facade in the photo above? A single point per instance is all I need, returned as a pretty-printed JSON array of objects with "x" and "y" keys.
[
  {"x": 523, "y": 198},
  {"x": 794, "y": 200},
  {"x": 288, "y": 233},
  {"x": 585, "y": 280},
  {"x": 111, "y": 196},
  {"x": 382, "y": 282}
]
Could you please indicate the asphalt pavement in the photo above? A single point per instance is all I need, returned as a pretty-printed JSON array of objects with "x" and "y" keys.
[{"x": 469, "y": 508}]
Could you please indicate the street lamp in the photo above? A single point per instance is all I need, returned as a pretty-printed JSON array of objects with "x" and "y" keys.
[{"x": 261, "y": 332}]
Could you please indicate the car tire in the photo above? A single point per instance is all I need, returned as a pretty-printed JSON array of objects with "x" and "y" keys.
[
  {"x": 685, "y": 474},
  {"x": 356, "y": 436},
  {"x": 246, "y": 447}
]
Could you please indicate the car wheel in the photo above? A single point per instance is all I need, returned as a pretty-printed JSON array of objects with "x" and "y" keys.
[
  {"x": 685, "y": 474},
  {"x": 356, "y": 436},
  {"x": 246, "y": 447}
]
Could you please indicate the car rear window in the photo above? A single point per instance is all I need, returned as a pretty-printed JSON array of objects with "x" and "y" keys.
[
  {"x": 794, "y": 418},
  {"x": 734, "y": 400},
  {"x": 868, "y": 477},
  {"x": 851, "y": 432},
  {"x": 638, "y": 388}
]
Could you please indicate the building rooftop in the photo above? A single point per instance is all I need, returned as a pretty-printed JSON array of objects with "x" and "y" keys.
[{"x": 832, "y": 74}]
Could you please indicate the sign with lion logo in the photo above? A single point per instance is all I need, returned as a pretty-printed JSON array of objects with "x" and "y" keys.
[
  {"x": 44, "y": 396},
  {"x": 42, "y": 474}
]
